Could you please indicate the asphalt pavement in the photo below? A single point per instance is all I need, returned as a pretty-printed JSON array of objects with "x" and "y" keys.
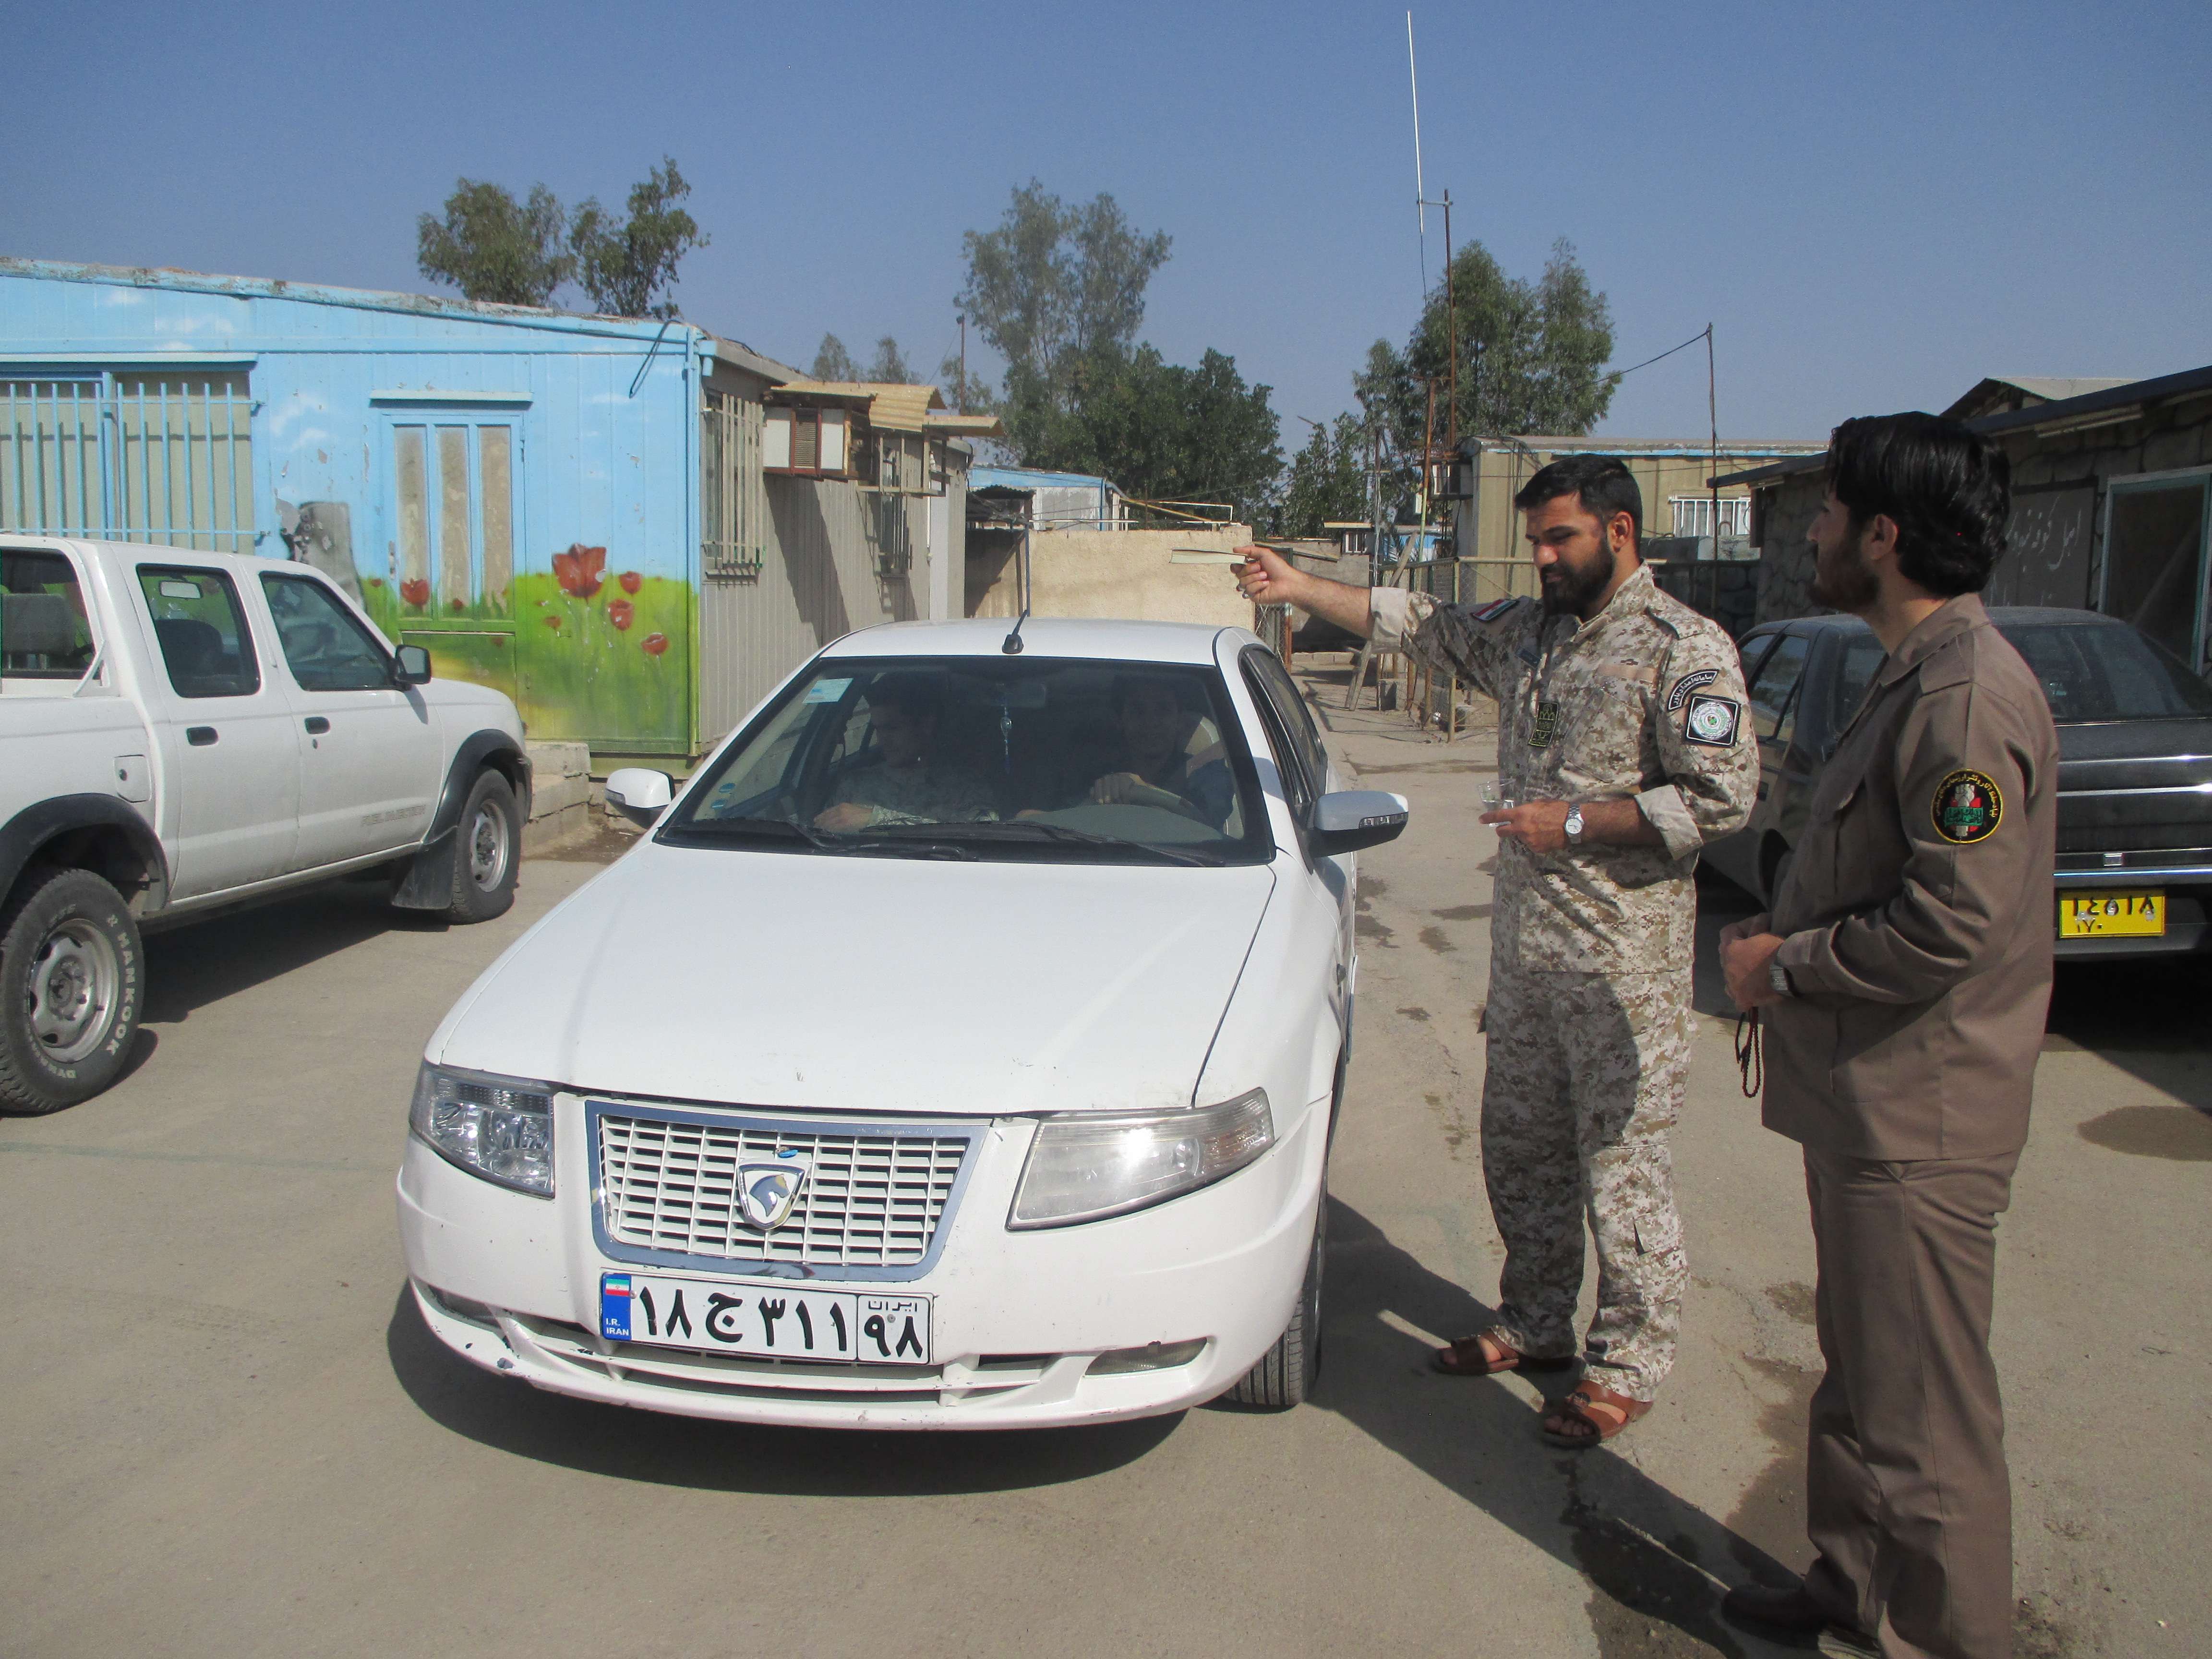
[{"x": 223, "y": 1430}]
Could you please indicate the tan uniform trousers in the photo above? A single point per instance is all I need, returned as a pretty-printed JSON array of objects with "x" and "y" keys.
[{"x": 1907, "y": 1498}]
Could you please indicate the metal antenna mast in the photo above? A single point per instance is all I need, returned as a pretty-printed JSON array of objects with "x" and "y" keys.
[{"x": 1420, "y": 204}]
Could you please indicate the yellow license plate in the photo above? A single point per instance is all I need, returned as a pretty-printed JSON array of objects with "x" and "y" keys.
[{"x": 2140, "y": 914}]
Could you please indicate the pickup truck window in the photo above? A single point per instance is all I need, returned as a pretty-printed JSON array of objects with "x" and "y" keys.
[
  {"x": 326, "y": 648},
  {"x": 44, "y": 635},
  {"x": 205, "y": 645}
]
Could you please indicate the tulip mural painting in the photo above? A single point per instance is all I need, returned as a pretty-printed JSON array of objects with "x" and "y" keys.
[{"x": 595, "y": 662}]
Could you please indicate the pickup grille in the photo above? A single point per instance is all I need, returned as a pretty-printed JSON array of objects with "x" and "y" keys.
[{"x": 874, "y": 1197}]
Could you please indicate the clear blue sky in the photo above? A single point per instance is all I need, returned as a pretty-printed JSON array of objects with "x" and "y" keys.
[{"x": 1876, "y": 204}]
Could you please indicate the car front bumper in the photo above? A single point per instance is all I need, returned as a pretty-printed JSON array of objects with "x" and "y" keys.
[{"x": 511, "y": 1282}]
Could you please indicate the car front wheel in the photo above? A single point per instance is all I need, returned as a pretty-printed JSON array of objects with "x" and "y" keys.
[
  {"x": 489, "y": 853},
  {"x": 1286, "y": 1373},
  {"x": 72, "y": 980}
]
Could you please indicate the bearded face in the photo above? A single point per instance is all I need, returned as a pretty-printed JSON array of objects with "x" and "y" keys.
[{"x": 1842, "y": 578}]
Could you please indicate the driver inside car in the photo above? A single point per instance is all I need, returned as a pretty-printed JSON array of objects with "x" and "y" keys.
[
  {"x": 1158, "y": 767},
  {"x": 906, "y": 780}
]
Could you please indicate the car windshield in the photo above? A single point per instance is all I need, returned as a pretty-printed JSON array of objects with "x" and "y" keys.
[
  {"x": 2098, "y": 672},
  {"x": 1014, "y": 758}
]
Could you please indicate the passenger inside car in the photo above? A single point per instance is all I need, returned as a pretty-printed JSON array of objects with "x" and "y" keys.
[
  {"x": 904, "y": 779},
  {"x": 1168, "y": 756}
]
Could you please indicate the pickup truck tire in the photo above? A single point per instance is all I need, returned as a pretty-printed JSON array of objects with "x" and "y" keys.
[
  {"x": 1286, "y": 1373},
  {"x": 488, "y": 853},
  {"x": 72, "y": 981}
]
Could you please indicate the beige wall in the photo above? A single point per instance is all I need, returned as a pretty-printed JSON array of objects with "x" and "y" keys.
[
  {"x": 1661, "y": 478},
  {"x": 1116, "y": 573}
]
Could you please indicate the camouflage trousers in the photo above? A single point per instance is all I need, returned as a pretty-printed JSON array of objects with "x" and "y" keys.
[{"x": 1585, "y": 1076}]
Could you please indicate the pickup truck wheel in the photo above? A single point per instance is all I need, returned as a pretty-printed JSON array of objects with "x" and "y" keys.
[
  {"x": 1286, "y": 1373},
  {"x": 490, "y": 851},
  {"x": 72, "y": 979}
]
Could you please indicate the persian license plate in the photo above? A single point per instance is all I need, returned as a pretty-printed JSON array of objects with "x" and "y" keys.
[
  {"x": 764, "y": 1321},
  {"x": 2136, "y": 913}
]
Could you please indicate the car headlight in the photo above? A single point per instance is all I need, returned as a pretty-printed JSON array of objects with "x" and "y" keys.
[
  {"x": 499, "y": 1127},
  {"x": 1083, "y": 1166}
]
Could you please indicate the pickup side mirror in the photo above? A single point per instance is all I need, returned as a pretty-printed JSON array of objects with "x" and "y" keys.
[
  {"x": 640, "y": 793},
  {"x": 411, "y": 666},
  {"x": 1349, "y": 819}
]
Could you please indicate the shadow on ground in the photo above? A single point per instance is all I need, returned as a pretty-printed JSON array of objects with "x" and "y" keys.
[
  {"x": 194, "y": 966},
  {"x": 683, "y": 1451},
  {"x": 1652, "y": 1557}
]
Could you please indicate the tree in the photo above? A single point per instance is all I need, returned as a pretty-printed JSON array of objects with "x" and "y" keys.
[
  {"x": 1053, "y": 288},
  {"x": 1326, "y": 480},
  {"x": 1532, "y": 354},
  {"x": 493, "y": 248},
  {"x": 888, "y": 367},
  {"x": 625, "y": 267},
  {"x": 832, "y": 361},
  {"x": 1163, "y": 432}
]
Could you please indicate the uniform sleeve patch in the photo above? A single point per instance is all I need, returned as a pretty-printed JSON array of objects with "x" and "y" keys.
[
  {"x": 1968, "y": 807},
  {"x": 1712, "y": 721},
  {"x": 1688, "y": 683},
  {"x": 1491, "y": 612}
]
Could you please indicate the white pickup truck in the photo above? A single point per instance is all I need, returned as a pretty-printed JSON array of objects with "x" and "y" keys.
[{"x": 182, "y": 732}]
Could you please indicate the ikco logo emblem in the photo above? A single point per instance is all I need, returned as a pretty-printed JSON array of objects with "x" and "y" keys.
[{"x": 767, "y": 1192}]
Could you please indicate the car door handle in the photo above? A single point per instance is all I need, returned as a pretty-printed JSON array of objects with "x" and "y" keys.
[
  {"x": 199, "y": 735},
  {"x": 317, "y": 724}
]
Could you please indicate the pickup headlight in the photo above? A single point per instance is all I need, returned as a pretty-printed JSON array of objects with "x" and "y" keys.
[
  {"x": 499, "y": 1127},
  {"x": 1084, "y": 1166}
]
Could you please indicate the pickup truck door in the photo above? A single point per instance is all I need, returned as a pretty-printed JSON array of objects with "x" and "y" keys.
[
  {"x": 230, "y": 761},
  {"x": 369, "y": 748}
]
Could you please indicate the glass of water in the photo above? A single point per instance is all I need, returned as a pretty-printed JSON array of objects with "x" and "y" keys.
[{"x": 1493, "y": 798}]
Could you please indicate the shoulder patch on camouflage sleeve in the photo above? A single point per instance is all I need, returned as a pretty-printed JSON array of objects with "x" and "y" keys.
[
  {"x": 1712, "y": 721},
  {"x": 1491, "y": 612},
  {"x": 1968, "y": 807},
  {"x": 1688, "y": 683}
]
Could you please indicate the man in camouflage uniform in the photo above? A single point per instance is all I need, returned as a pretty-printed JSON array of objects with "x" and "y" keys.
[{"x": 1622, "y": 749}]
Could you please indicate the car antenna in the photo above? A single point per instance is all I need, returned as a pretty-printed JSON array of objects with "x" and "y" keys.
[{"x": 1012, "y": 644}]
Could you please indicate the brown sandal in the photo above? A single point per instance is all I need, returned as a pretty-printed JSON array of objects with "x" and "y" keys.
[
  {"x": 1483, "y": 1355},
  {"x": 1603, "y": 1413}
]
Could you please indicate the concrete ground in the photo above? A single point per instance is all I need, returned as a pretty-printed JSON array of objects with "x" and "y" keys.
[{"x": 223, "y": 1431}]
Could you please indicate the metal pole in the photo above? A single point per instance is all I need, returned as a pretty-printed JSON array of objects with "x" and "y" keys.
[
  {"x": 960, "y": 396},
  {"x": 1451, "y": 334},
  {"x": 1713, "y": 426}
]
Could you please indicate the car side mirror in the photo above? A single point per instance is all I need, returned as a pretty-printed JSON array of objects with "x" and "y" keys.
[
  {"x": 1349, "y": 819},
  {"x": 640, "y": 793},
  {"x": 411, "y": 666}
]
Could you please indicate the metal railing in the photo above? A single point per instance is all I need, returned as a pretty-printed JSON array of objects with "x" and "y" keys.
[{"x": 130, "y": 456}]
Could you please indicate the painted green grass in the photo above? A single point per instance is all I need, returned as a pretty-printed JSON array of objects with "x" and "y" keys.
[{"x": 580, "y": 674}]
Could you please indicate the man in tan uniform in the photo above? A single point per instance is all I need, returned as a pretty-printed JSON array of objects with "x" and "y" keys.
[
  {"x": 1621, "y": 741},
  {"x": 1903, "y": 976}
]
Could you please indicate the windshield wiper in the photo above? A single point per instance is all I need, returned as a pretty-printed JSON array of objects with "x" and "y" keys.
[
  {"x": 776, "y": 828},
  {"x": 1038, "y": 830}
]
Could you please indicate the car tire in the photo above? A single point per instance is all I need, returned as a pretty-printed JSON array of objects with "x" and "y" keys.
[
  {"x": 1286, "y": 1373},
  {"x": 72, "y": 984},
  {"x": 487, "y": 851}
]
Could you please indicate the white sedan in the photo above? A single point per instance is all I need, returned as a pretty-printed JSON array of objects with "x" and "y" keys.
[{"x": 962, "y": 1049}]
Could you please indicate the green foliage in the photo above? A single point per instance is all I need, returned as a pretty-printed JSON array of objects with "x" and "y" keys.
[
  {"x": 832, "y": 361},
  {"x": 1053, "y": 286},
  {"x": 1326, "y": 480},
  {"x": 1162, "y": 431},
  {"x": 626, "y": 267},
  {"x": 493, "y": 248},
  {"x": 1532, "y": 354}
]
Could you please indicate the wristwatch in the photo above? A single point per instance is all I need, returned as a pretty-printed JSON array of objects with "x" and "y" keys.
[
  {"x": 1574, "y": 824},
  {"x": 1779, "y": 977}
]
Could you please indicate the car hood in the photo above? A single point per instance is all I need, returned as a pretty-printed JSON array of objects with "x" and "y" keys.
[{"x": 869, "y": 984}]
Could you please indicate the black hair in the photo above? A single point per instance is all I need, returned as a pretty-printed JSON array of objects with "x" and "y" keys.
[
  {"x": 920, "y": 695},
  {"x": 1948, "y": 490},
  {"x": 1127, "y": 685},
  {"x": 1603, "y": 484}
]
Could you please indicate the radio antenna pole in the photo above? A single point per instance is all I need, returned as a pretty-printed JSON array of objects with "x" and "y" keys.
[{"x": 1420, "y": 203}]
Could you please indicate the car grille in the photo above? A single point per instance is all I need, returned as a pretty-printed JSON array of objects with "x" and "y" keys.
[{"x": 669, "y": 1185}]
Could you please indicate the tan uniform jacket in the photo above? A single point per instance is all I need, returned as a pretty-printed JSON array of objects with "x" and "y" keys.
[
  {"x": 1645, "y": 701},
  {"x": 1918, "y": 913}
]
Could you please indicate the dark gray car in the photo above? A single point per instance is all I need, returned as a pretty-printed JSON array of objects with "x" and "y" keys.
[{"x": 2135, "y": 773}]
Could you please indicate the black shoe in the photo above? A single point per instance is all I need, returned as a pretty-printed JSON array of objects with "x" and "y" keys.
[{"x": 1779, "y": 1610}]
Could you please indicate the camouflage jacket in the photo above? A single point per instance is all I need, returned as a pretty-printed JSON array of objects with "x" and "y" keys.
[
  {"x": 933, "y": 793},
  {"x": 1643, "y": 702}
]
